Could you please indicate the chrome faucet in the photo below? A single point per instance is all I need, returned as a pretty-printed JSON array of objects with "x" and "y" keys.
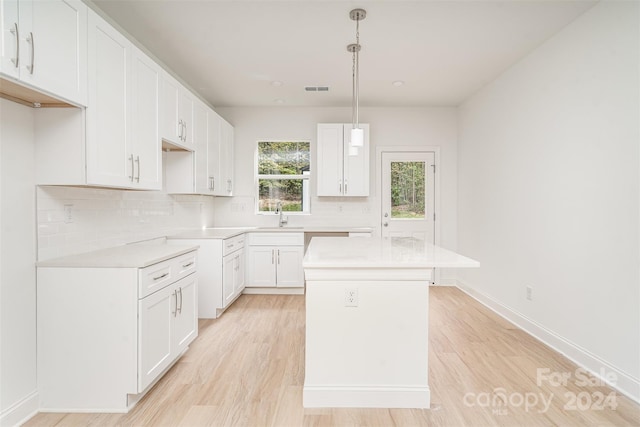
[{"x": 283, "y": 219}]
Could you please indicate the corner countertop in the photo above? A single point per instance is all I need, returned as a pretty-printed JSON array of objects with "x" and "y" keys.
[
  {"x": 125, "y": 256},
  {"x": 381, "y": 253},
  {"x": 227, "y": 232}
]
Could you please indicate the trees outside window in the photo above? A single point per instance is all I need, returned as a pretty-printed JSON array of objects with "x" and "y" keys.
[{"x": 283, "y": 175}]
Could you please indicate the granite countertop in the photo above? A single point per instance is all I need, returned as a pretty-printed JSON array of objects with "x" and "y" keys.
[
  {"x": 133, "y": 256},
  {"x": 227, "y": 232},
  {"x": 381, "y": 253}
]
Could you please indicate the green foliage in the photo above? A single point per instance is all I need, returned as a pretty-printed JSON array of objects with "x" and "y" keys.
[
  {"x": 407, "y": 189},
  {"x": 282, "y": 158}
]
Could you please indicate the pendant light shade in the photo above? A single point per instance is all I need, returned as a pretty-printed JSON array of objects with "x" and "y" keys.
[
  {"x": 353, "y": 151},
  {"x": 357, "y": 137}
]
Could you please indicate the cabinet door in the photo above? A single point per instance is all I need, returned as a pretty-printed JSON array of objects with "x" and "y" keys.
[
  {"x": 171, "y": 125},
  {"x": 214, "y": 161},
  {"x": 109, "y": 158},
  {"x": 203, "y": 182},
  {"x": 330, "y": 159},
  {"x": 356, "y": 168},
  {"x": 226, "y": 157},
  {"x": 239, "y": 280},
  {"x": 155, "y": 318},
  {"x": 56, "y": 52},
  {"x": 185, "y": 321},
  {"x": 185, "y": 112},
  {"x": 10, "y": 27},
  {"x": 228, "y": 273},
  {"x": 145, "y": 110},
  {"x": 261, "y": 270},
  {"x": 290, "y": 272}
]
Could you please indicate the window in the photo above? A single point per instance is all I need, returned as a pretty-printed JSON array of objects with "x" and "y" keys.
[{"x": 283, "y": 176}]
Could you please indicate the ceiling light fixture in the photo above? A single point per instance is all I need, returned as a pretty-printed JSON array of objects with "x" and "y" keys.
[
  {"x": 357, "y": 134},
  {"x": 398, "y": 83}
]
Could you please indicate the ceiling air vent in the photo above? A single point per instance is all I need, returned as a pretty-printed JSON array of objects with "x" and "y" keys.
[{"x": 317, "y": 88}]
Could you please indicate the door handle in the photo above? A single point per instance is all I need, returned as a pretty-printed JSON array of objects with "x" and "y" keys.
[
  {"x": 31, "y": 40},
  {"x": 16, "y": 33},
  {"x": 386, "y": 224}
]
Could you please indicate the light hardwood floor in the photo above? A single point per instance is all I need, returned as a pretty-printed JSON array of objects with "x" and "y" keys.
[{"x": 247, "y": 369}]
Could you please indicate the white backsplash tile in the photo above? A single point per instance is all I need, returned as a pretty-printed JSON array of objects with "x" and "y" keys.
[{"x": 102, "y": 218}]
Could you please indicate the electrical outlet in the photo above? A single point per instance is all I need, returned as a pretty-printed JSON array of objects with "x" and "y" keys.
[
  {"x": 68, "y": 216},
  {"x": 529, "y": 293},
  {"x": 351, "y": 297}
]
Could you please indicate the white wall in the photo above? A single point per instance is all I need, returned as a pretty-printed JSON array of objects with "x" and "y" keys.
[
  {"x": 18, "y": 387},
  {"x": 548, "y": 191},
  {"x": 389, "y": 127}
]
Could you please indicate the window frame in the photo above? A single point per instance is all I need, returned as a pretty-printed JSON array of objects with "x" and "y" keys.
[{"x": 303, "y": 177}]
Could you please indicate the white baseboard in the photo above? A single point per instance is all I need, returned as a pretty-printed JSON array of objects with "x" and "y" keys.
[
  {"x": 625, "y": 383},
  {"x": 365, "y": 397},
  {"x": 273, "y": 291},
  {"x": 21, "y": 411}
]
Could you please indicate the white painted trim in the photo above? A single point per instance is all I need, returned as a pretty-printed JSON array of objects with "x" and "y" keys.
[
  {"x": 366, "y": 397},
  {"x": 625, "y": 384},
  {"x": 273, "y": 291},
  {"x": 436, "y": 183},
  {"x": 21, "y": 411}
]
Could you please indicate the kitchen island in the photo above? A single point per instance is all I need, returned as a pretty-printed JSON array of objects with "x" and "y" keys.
[{"x": 367, "y": 320}]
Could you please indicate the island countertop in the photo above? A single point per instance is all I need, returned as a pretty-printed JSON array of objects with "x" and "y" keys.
[{"x": 381, "y": 253}]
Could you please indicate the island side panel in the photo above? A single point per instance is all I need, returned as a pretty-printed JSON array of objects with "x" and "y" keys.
[{"x": 372, "y": 355}]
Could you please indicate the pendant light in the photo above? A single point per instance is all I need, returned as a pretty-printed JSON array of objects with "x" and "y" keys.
[{"x": 357, "y": 133}]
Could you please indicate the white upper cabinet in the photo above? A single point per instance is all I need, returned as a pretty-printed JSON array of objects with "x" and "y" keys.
[
  {"x": 340, "y": 174},
  {"x": 226, "y": 159},
  {"x": 123, "y": 143},
  {"x": 44, "y": 45},
  {"x": 177, "y": 113},
  {"x": 110, "y": 159},
  {"x": 145, "y": 121}
]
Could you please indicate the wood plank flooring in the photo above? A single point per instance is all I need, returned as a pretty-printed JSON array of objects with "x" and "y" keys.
[{"x": 247, "y": 369}]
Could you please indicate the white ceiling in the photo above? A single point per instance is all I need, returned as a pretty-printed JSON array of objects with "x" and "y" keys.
[{"x": 230, "y": 51}]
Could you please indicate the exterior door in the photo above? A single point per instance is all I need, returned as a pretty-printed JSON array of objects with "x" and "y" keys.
[{"x": 408, "y": 186}]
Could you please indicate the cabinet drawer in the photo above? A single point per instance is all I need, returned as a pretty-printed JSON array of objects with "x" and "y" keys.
[
  {"x": 185, "y": 264},
  {"x": 276, "y": 239},
  {"x": 232, "y": 244},
  {"x": 157, "y": 276}
]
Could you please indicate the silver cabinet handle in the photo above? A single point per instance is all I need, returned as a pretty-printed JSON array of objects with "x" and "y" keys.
[
  {"x": 180, "y": 308},
  {"x": 273, "y": 254},
  {"x": 345, "y": 187},
  {"x": 189, "y": 264},
  {"x": 229, "y": 185},
  {"x": 185, "y": 131},
  {"x": 138, "y": 162},
  {"x": 180, "y": 129},
  {"x": 340, "y": 186},
  {"x": 162, "y": 276},
  {"x": 278, "y": 256},
  {"x": 175, "y": 295},
  {"x": 16, "y": 33},
  {"x": 33, "y": 53},
  {"x": 132, "y": 171}
]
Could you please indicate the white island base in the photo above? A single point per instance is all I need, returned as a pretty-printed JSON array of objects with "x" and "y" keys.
[{"x": 367, "y": 321}]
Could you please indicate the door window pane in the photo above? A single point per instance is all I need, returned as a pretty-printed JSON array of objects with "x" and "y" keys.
[{"x": 407, "y": 190}]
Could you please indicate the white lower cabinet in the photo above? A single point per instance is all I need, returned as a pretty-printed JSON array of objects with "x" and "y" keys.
[
  {"x": 275, "y": 260},
  {"x": 105, "y": 335},
  {"x": 167, "y": 324},
  {"x": 221, "y": 274}
]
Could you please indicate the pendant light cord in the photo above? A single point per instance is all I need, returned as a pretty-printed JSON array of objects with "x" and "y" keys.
[{"x": 357, "y": 72}]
